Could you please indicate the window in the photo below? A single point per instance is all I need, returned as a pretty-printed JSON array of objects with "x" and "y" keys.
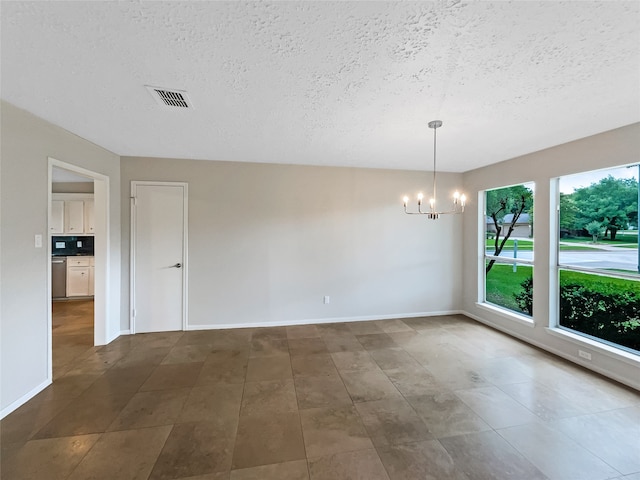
[
  {"x": 599, "y": 257},
  {"x": 508, "y": 248}
]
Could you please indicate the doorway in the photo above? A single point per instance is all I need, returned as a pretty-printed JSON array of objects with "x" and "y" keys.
[
  {"x": 91, "y": 319},
  {"x": 72, "y": 333},
  {"x": 158, "y": 256}
]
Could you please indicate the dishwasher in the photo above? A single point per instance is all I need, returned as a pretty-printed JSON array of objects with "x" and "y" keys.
[{"x": 58, "y": 277}]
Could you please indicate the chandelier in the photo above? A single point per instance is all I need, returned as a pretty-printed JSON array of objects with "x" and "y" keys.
[{"x": 458, "y": 200}]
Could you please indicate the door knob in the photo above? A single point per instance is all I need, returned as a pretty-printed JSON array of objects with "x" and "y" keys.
[{"x": 177, "y": 265}]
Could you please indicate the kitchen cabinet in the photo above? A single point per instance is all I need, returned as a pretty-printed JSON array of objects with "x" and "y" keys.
[
  {"x": 74, "y": 216},
  {"x": 89, "y": 219},
  {"x": 79, "y": 261},
  {"x": 56, "y": 222},
  {"x": 79, "y": 282}
]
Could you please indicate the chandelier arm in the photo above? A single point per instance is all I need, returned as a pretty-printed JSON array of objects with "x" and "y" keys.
[
  {"x": 450, "y": 212},
  {"x": 414, "y": 213},
  {"x": 456, "y": 210}
]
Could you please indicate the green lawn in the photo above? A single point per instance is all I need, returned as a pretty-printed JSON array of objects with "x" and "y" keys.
[
  {"x": 573, "y": 248},
  {"x": 624, "y": 239},
  {"x": 522, "y": 244},
  {"x": 599, "y": 283},
  {"x": 502, "y": 283}
]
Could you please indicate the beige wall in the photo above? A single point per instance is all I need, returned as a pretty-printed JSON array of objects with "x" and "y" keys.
[
  {"x": 267, "y": 242},
  {"x": 26, "y": 142},
  {"x": 613, "y": 148}
]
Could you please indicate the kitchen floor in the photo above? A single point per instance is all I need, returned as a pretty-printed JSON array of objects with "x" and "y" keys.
[
  {"x": 72, "y": 333},
  {"x": 425, "y": 398}
]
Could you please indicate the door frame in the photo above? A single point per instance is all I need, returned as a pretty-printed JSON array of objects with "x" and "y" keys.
[
  {"x": 104, "y": 323},
  {"x": 185, "y": 249}
]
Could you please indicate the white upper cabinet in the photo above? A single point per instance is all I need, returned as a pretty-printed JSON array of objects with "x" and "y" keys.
[
  {"x": 56, "y": 222},
  {"x": 89, "y": 222},
  {"x": 74, "y": 216}
]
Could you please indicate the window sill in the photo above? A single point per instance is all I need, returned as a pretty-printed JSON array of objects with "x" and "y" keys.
[
  {"x": 596, "y": 347},
  {"x": 507, "y": 314}
]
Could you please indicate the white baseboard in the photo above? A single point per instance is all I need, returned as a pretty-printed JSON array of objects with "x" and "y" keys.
[
  {"x": 112, "y": 338},
  {"x": 28, "y": 396},
  {"x": 24, "y": 399},
  {"x": 311, "y": 321}
]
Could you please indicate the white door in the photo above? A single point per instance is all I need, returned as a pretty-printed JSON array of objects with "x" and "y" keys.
[{"x": 158, "y": 247}]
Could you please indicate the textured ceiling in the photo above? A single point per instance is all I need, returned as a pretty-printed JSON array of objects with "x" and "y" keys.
[{"x": 327, "y": 83}]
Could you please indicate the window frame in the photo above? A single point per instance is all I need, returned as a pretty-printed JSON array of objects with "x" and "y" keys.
[
  {"x": 483, "y": 257},
  {"x": 582, "y": 339}
]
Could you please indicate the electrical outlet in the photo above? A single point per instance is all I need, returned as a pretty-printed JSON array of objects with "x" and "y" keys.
[
  {"x": 327, "y": 299},
  {"x": 585, "y": 355}
]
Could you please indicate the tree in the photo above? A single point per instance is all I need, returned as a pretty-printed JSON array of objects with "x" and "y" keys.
[
  {"x": 613, "y": 202},
  {"x": 594, "y": 228},
  {"x": 501, "y": 202},
  {"x": 568, "y": 212}
]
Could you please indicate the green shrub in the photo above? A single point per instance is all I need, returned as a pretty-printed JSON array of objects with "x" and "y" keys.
[
  {"x": 602, "y": 311},
  {"x": 611, "y": 316},
  {"x": 524, "y": 298}
]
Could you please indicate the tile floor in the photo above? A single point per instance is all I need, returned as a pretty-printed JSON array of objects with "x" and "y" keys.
[{"x": 426, "y": 398}]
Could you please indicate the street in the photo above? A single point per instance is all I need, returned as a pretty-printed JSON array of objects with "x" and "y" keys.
[{"x": 613, "y": 258}]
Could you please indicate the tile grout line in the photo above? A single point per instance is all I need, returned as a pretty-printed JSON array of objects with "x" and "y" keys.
[{"x": 304, "y": 445}]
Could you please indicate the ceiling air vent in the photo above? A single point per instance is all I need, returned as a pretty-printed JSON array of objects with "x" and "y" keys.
[{"x": 170, "y": 98}]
